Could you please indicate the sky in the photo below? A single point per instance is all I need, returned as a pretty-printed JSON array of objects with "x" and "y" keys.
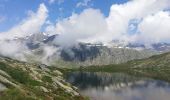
[
  {"x": 74, "y": 21},
  {"x": 13, "y": 11},
  {"x": 145, "y": 21}
]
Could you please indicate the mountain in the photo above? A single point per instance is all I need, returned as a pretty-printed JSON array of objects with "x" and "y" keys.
[
  {"x": 96, "y": 54},
  {"x": 36, "y": 40},
  {"x": 26, "y": 81},
  {"x": 85, "y": 54},
  {"x": 158, "y": 61},
  {"x": 156, "y": 67},
  {"x": 161, "y": 47},
  {"x": 158, "y": 47},
  {"x": 82, "y": 54}
]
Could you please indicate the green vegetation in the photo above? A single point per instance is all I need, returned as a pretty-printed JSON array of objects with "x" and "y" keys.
[
  {"x": 30, "y": 82},
  {"x": 157, "y": 67},
  {"x": 47, "y": 79},
  {"x": 15, "y": 94},
  {"x": 33, "y": 83},
  {"x": 18, "y": 75}
]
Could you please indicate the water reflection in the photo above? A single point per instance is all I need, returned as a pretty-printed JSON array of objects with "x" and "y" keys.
[{"x": 119, "y": 86}]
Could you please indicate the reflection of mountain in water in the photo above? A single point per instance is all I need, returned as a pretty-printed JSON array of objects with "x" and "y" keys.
[
  {"x": 87, "y": 79},
  {"x": 119, "y": 86}
]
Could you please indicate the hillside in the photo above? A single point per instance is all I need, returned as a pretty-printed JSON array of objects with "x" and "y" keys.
[
  {"x": 86, "y": 55},
  {"x": 25, "y": 81},
  {"x": 42, "y": 48},
  {"x": 157, "y": 61},
  {"x": 157, "y": 67}
]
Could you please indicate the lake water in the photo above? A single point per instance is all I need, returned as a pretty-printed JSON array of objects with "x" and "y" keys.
[{"x": 118, "y": 86}]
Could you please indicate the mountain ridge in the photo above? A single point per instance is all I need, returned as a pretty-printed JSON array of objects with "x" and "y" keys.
[{"x": 42, "y": 48}]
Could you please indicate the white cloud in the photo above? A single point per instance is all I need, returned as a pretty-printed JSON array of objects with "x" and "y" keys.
[
  {"x": 49, "y": 52},
  {"x": 86, "y": 25},
  {"x": 92, "y": 26},
  {"x": 120, "y": 15},
  {"x": 155, "y": 28},
  {"x": 50, "y": 28},
  {"x": 84, "y": 3},
  {"x": 15, "y": 48},
  {"x": 28, "y": 26}
]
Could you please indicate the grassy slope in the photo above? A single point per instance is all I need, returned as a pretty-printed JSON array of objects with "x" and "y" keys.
[
  {"x": 157, "y": 67},
  {"x": 30, "y": 82},
  {"x": 29, "y": 78}
]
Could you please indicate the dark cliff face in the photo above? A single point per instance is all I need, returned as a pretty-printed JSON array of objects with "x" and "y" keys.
[
  {"x": 84, "y": 54},
  {"x": 81, "y": 53}
]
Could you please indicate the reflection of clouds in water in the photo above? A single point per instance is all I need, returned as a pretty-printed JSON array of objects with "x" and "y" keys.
[
  {"x": 139, "y": 92},
  {"x": 85, "y": 80},
  {"x": 119, "y": 86}
]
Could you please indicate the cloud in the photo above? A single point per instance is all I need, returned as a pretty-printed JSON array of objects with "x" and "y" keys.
[
  {"x": 82, "y": 26},
  {"x": 10, "y": 46},
  {"x": 120, "y": 15},
  {"x": 84, "y": 3},
  {"x": 91, "y": 25},
  {"x": 49, "y": 52},
  {"x": 28, "y": 26},
  {"x": 138, "y": 90},
  {"x": 155, "y": 28},
  {"x": 148, "y": 19},
  {"x": 50, "y": 29},
  {"x": 58, "y": 1},
  {"x": 13, "y": 49}
]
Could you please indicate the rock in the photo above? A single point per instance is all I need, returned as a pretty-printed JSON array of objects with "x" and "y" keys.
[
  {"x": 67, "y": 88},
  {"x": 44, "y": 89},
  {"x": 6, "y": 81},
  {"x": 4, "y": 73},
  {"x": 43, "y": 67},
  {"x": 101, "y": 55},
  {"x": 2, "y": 87},
  {"x": 57, "y": 72}
]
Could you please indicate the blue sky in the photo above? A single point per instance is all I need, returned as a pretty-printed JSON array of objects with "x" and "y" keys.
[
  {"x": 74, "y": 21},
  {"x": 145, "y": 21},
  {"x": 13, "y": 11}
]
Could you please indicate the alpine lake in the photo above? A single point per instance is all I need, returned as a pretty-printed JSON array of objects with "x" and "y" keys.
[{"x": 121, "y": 84}]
